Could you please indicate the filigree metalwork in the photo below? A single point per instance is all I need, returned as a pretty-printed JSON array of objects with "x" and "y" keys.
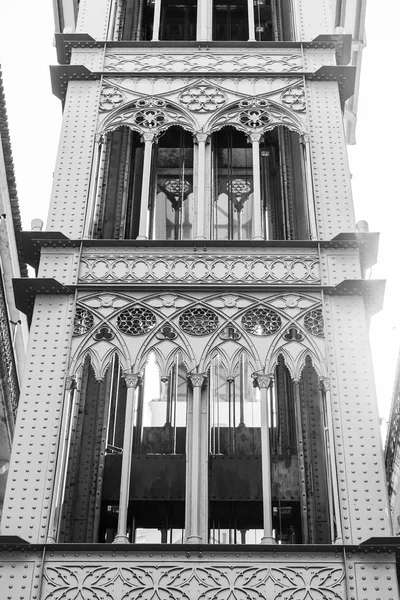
[
  {"x": 261, "y": 321},
  {"x": 254, "y": 103},
  {"x": 314, "y": 322},
  {"x": 192, "y": 582},
  {"x": 177, "y": 186},
  {"x": 239, "y": 186},
  {"x": 200, "y": 61},
  {"x": 110, "y": 98},
  {"x": 254, "y": 118},
  {"x": 152, "y": 268},
  {"x": 202, "y": 98},
  {"x": 83, "y": 321},
  {"x": 198, "y": 321},
  {"x": 136, "y": 321},
  {"x": 295, "y": 98},
  {"x": 150, "y": 119},
  {"x": 150, "y": 102}
]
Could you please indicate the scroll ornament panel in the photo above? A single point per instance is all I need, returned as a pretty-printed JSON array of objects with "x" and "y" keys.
[{"x": 149, "y": 582}]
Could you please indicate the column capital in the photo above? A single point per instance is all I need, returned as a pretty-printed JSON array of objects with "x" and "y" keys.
[
  {"x": 197, "y": 379},
  {"x": 263, "y": 381},
  {"x": 201, "y": 137},
  {"x": 100, "y": 138},
  {"x": 254, "y": 137},
  {"x": 149, "y": 137},
  {"x": 132, "y": 380},
  {"x": 70, "y": 383},
  {"x": 324, "y": 383}
]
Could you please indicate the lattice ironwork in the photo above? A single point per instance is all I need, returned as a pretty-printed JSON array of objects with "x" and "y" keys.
[
  {"x": 314, "y": 322},
  {"x": 83, "y": 321},
  {"x": 261, "y": 321},
  {"x": 136, "y": 321},
  {"x": 198, "y": 321}
]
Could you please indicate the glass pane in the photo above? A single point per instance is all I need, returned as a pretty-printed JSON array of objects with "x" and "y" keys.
[
  {"x": 234, "y": 411},
  {"x": 230, "y": 21},
  {"x": 172, "y": 211},
  {"x": 233, "y": 186},
  {"x": 162, "y": 413},
  {"x": 263, "y": 21},
  {"x": 178, "y": 20}
]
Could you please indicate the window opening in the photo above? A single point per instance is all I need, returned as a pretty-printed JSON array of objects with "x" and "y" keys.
[
  {"x": 230, "y": 21},
  {"x": 233, "y": 186},
  {"x": 117, "y": 215},
  {"x": 178, "y": 20},
  {"x": 285, "y": 213},
  {"x": 171, "y": 216},
  {"x": 136, "y": 20},
  {"x": 235, "y": 455},
  {"x": 264, "y": 21}
]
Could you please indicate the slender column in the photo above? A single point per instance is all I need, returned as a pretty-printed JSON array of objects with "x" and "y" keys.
[
  {"x": 250, "y": 13},
  {"x": 201, "y": 139},
  {"x": 202, "y": 20},
  {"x": 132, "y": 381},
  {"x": 264, "y": 382},
  {"x": 305, "y": 147},
  {"x": 326, "y": 393},
  {"x": 257, "y": 216},
  {"x": 196, "y": 481},
  {"x": 300, "y": 454},
  {"x": 156, "y": 21},
  {"x": 148, "y": 139},
  {"x": 112, "y": 20},
  {"x": 70, "y": 386},
  {"x": 98, "y": 159}
]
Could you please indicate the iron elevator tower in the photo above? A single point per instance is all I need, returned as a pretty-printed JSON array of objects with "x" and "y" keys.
[{"x": 198, "y": 415}]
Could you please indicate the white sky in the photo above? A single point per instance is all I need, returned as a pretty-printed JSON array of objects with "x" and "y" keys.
[{"x": 26, "y": 51}]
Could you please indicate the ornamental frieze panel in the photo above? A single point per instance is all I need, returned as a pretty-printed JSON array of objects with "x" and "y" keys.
[
  {"x": 202, "y": 105},
  {"x": 192, "y": 582},
  {"x": 265, "y": 324},
  {"x": 143, "y": 269},
  {"x": 200, "y": 61}
]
